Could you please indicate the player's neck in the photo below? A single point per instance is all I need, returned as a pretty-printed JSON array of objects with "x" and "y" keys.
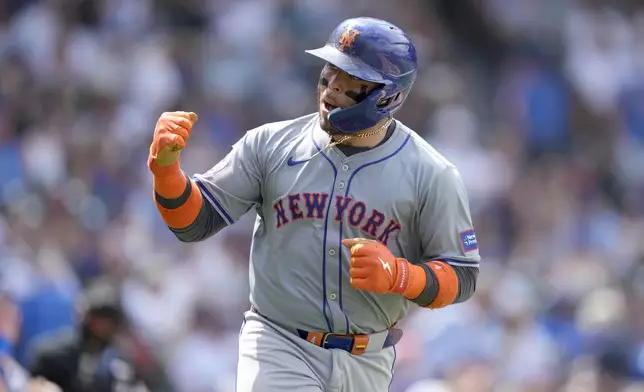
[{"x": 367, "y": 141}]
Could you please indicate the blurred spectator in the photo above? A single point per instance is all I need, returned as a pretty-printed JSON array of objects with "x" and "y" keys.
[
  {"x": 86, "y": 359},
  {"x": 13, "y": 377}
]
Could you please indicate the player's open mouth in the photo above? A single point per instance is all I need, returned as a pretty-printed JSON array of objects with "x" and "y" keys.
[{"x": 328, "y": 106}]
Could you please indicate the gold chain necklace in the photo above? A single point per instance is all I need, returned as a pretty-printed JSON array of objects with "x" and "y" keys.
[{"x": 359, "y": 136}]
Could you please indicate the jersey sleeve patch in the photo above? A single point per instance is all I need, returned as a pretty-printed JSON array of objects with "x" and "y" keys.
[{"x": 469, "y": 241}]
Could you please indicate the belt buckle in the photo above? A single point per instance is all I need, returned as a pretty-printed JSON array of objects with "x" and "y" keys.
[
  {"x": 358, "y": 342},
  {"x": 346, "y": 347},
  {"x": 326, "y": 336}
]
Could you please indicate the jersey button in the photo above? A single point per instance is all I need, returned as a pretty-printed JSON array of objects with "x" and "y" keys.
[
  {"x": 345, "y": 167},
  {"x": 332, "y": 296},
  {"x": 341, "y": 185},
  {"x": 331, "y": 252}
]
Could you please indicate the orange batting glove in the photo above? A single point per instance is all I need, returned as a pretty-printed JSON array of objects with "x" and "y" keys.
[
  {"x": 170, "y": 137},
  {"x": 374, "y": 268}
]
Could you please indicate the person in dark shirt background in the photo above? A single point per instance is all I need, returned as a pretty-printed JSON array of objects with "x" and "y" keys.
[{"x": 87, "y": 360}]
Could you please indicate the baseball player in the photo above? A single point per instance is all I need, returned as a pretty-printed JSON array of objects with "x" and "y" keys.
[{"x": 358, "y": 220}]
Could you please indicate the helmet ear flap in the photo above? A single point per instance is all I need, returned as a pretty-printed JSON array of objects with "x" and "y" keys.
[
  {"x": 384, "y": 102},
  {"x": 392, "y": 102},
  {"x": 359, "y": 116}
]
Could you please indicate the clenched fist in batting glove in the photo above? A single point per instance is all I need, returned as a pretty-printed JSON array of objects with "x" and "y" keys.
[
  {"x": 170, "y": 137},
  {"x": 374, "y": 268}
]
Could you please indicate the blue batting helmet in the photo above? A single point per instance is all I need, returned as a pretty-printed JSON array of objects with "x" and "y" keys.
[{"x": 376, "y": 51}]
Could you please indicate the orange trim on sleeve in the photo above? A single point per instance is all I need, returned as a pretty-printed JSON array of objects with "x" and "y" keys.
[
  {"x": 183, "y": 216},
  {"x": 171, "y": 184},
  {"x": 447, "y": 284},
  {"x": 417, "y": 281}
]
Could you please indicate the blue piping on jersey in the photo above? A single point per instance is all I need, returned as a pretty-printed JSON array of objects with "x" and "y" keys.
[
  {"x": 346, "y": 194},
  {"x": 326, "y": 228},
  {"x": 393, "y": 365},
  {"x": 463, "y": 263},
  {"x": 213, "y": 200}
]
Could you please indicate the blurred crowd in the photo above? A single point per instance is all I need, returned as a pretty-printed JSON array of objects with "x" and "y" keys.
[{"x": 540, "y": 103}]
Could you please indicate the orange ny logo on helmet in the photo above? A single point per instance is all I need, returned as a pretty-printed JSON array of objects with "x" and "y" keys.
[{"x": 347, "y": 38}]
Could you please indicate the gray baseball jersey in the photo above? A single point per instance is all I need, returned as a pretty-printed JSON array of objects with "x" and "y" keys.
[{"x": 308, "y": 198}]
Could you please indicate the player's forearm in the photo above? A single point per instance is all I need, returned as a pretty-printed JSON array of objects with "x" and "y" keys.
[
  {"x": 436, "y": 284},
  {"x": 176, "y": 197},
  {"x": 183, "y": 208}
]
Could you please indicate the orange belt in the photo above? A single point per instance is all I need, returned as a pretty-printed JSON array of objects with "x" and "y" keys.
[{"x": 354, "y": 344}]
